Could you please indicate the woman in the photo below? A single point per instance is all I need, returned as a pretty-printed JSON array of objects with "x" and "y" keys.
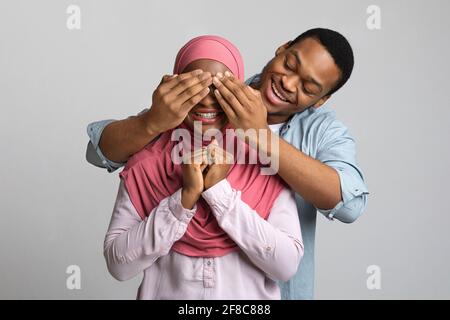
[{"x": 202, "y": 230}]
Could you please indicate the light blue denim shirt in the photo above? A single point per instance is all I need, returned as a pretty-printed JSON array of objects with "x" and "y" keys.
[{"x": 318, "y": 134}]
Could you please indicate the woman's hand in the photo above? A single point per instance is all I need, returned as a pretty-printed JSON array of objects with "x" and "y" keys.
[
  {"x": 220, "y": 163},
  {"x": 175, "y": 96},
  {"x": 193, "y": 166},
  {"x": 202, "y": 169}
]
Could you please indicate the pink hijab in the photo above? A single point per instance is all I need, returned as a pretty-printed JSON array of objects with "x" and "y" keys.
[{"x": 150, "y": 175}]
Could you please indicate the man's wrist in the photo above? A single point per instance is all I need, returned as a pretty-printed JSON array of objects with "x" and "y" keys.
[{"x": 150, "y": 128}]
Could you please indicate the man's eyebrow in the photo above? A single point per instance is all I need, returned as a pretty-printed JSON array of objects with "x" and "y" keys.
[{"x": 311, "y": 79}]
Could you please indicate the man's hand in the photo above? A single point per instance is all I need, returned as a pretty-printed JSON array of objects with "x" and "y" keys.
[
  {"x": 172, "y": 100},
  {"x": 220, "y": 163},
  {"x": 192, "y": 168},
  {"x": 175, "y": 96},
  {"x": 242, "y": 104}
]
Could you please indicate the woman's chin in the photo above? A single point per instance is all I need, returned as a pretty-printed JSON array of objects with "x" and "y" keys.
[{"x": 206, "y": 126}]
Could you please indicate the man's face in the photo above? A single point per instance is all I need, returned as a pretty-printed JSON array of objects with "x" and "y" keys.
[{"x": 297, "y": 77}]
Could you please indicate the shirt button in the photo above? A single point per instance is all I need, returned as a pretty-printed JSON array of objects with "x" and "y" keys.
[
  {"x": 268, "y": 248},
  {"x": 208, "y": 263}
]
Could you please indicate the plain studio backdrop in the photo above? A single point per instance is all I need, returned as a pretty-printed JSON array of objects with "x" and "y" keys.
[{"x": 55, "y": 207}]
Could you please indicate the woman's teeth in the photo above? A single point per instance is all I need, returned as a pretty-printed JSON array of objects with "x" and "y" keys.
[
  {"x": 209, "y": 115},
  {"x": 277, "y": 93}
]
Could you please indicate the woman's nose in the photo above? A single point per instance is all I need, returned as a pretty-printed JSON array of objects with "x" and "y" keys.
[{"x": 209, "y": 100}]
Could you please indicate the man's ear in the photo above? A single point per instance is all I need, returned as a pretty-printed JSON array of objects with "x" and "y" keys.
[
  {"x": 282, "y": 48},
  {"x": 319, "y": 103}
]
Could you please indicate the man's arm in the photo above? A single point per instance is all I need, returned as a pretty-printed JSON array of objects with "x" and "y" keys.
[
  {"x": 316, "y": 182},
  {"x": 337, "y": 149},
  {"x": 332, "y": 183},
  {"x": 121, "y": 139},
  {"x": 94, "y": 154},
  {"x": 116, "y": 141}
]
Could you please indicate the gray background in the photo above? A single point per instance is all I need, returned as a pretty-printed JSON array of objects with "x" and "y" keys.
[{"x": 55, "y": 207}]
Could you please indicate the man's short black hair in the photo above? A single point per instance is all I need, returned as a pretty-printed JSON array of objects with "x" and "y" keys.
[{"x": 338, "y": 47}]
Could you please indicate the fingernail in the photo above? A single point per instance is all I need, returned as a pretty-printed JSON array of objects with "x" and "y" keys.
[
  {"x": 219, "y": 75},
  {"x": 227, "y": 73},
  {"x": 199, "y": 71},
  {"x": 215, "y": 80}
]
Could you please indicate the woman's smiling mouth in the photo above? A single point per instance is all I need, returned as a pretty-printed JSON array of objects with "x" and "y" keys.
[{"x": 207, "y": 115}]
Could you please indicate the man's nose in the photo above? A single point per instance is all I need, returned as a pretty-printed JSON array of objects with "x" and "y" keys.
[{"x": 290, "y": 82}]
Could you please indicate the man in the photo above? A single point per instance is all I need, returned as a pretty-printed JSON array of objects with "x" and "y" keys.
[{"x": 317, "y": 156}]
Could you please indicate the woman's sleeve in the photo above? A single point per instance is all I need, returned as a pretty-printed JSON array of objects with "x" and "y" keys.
[
  {"x": 132, "y": 244},
  {"x": 275, "y": 246}
]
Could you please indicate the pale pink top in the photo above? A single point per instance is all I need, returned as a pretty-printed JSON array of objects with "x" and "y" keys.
[{"x": 270, "y": 249}]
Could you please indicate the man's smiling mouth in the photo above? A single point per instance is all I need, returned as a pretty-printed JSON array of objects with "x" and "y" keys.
[{"x": 278, "y": 92}]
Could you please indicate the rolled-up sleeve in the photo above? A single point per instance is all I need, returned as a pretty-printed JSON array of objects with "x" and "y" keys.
[
  {"x": 337, "y": 149},
  {"x": 94, "y": 154}
]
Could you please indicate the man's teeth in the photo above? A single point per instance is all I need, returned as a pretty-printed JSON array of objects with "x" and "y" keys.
[
  {"x": 208, "y": 115},
  {"x": 278, "y": 94}
]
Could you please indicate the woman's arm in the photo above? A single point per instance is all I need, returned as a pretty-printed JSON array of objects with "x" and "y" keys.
[
  {"x": 275, "y": 246},
  {"x": 132, "y": 244}
]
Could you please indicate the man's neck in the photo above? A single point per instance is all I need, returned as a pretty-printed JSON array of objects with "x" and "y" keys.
[{"x": 275, "y": 118}]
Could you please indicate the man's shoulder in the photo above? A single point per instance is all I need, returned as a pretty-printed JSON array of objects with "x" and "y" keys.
[
  {"x": 317, "y": 119},
  {"x": 317, "y": 128}
]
